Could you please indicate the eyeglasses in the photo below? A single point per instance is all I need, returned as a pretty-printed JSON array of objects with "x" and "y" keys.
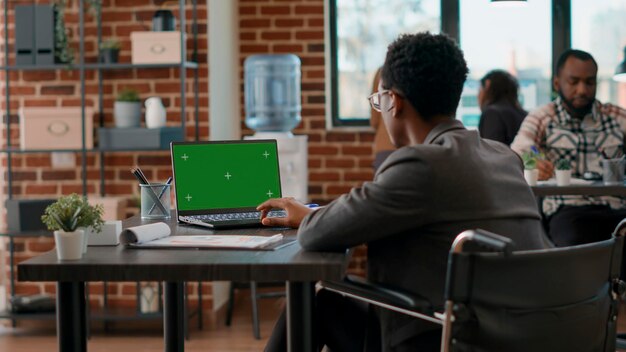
[{"x": 375, "y": 99}]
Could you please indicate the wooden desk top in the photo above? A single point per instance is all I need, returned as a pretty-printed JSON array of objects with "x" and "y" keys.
[
  {"x": 121, "y": 264},
  {"x": 595, "y": 189}
]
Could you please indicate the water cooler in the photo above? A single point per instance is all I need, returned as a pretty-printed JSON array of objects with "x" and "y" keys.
[{"x": 273, "y": 109}]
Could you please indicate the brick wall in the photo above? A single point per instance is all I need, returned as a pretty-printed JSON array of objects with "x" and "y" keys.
[{"x": 337, "y": 160}]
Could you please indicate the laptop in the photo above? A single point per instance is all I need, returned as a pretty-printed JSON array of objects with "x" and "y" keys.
[{"x": 219, "y": 184}]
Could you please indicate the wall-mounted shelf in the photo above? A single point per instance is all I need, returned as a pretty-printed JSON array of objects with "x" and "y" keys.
[{"x": 97, "y": 66}]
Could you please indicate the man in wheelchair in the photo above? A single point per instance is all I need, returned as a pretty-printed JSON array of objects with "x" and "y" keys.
[{"x": 442, "y": 180}]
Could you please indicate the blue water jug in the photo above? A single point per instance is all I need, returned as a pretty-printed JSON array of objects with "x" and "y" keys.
[{"x": 272, "y": 92}]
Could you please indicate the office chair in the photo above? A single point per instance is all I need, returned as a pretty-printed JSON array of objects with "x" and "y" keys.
[{"x": 561, "y": 299}]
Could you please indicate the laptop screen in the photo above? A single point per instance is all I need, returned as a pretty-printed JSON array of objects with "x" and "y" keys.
[{"x": 211, "y": 177}]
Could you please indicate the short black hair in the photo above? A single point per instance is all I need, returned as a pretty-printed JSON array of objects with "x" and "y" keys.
[
  {"x": 428, "y": 70},
  {"x": 503, "y": 87},
  {"x": 579, "y": 54}
]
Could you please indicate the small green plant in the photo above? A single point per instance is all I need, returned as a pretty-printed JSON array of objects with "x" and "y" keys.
[
  {"x": 563, "y": 164},
  {"x": 110, "y": 44},
  {"x": 128, "y": 95},
  {"x": 71, "y": 212},
  {"x": 530, "y": 160}
]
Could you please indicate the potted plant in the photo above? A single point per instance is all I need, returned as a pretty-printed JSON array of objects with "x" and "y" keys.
[
  {"x": 563, "y": 172},
  {"x": 127, "y": 109},
  {"x": 109, "y": 51},
  {"x": 531, "y": 174},
  {"x": 66, "y": 217}
]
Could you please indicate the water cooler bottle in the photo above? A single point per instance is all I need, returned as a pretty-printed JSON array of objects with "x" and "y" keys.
[{"x": 273, "y": 108}]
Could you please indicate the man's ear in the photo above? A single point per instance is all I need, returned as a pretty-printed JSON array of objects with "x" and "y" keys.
[
  {"x": 555, "y": 84},
  {"x": 398, "y": 104}
]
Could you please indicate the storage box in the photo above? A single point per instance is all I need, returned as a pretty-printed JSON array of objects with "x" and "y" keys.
[
  {"x": 114, "y": 207},
  {"x": 155, "y": 47},
  {"x": 109, "y": 236},
  {"x": 139, "y": 138},
  {"x": 25, "y": 214},
  {"x": 55, "y": 128}
]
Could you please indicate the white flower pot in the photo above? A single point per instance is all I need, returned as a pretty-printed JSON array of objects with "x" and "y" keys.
[
  {"x": 69, "y": 244},
  {"x": 563, "y": 177},
  {"x": 531, "y": 176}
]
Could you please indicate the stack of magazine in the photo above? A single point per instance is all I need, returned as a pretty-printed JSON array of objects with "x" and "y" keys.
[{"x": 157, "y": 235}]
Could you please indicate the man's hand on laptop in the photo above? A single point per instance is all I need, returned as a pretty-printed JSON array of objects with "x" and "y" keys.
[{"x": 295, "y": 210}]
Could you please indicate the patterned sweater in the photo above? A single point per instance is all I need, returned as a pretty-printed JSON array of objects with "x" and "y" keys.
[{"x": 560, "y": 136}]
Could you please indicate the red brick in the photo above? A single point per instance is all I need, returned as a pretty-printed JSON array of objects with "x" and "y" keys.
[
  {"x": 117, "y": 16},
  {"x": 275, "y": 10},
  {"x": 41, "y": 189},
  {"x": 340, "y": 137},
  {"x": 77, "y": 188},
  {"x": 19, "y": 90},
  {"x": 254, "y": 23},
  {"x": 282, "y": 35},
  {"x": 323, "y": 150},
  {"x": 58, "y": 175},
  {"x": 154, "y": 160},
  {"x": 289, "y": 23},
  {"x": 247, "y": 10},
  {"x": 307, "y": 35},
  {"x": 309, "y": 10},
  {"x": 324, "y": 176},
  {"x": 23, "y": 175},
  {"x": 27, "y": 288},
  {"x": 40, "y": 103},
  {"x": 340, "y": 163},
  {"x": 359, "y": 176},
  {"x": 38, "y": 76},
  {"x": 352, "y": 150},
  {"x": 286, "y": 48},
  {"x": 338, "y": 190},
  {"x": 256, "y": 48},
  {"x": 38, "y": 161}
]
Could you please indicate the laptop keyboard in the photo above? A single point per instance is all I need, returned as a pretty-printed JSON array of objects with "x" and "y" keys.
[{"x": 240, "y": 216}]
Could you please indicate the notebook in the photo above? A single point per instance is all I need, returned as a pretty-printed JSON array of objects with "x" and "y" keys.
[{"x": 219, "y": 184}]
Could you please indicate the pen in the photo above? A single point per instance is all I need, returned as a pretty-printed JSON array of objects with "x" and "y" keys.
[
  {"x": 312, "y": 205},
  {"x": 168, "y": 182}
]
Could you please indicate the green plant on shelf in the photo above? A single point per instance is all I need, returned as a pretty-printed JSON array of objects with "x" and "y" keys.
[
  {"x": 71, "y": 212},
  {"x": 563, "y": 164},
  {"x": 62, "y": 50},
  {"x": 111, "y": 44},
  {"x": 128, "y": 95}
]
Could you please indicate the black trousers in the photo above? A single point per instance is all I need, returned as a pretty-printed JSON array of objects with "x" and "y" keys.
[
  {"x": 341, "y": 324},
  {"x": 574, "y": 225}
]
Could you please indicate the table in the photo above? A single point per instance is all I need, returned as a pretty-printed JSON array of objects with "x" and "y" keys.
[
  {"x": 596, "y": 189},
  {"x": 300, "y": 269}
]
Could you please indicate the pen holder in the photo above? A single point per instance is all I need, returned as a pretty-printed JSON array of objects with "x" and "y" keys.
[
  {"x": 155, "y": 201},
  {"x": 613, "y": 171}
]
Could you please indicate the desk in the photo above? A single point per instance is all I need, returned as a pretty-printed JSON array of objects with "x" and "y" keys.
[
  {"x": 298, "y": 268},
  {"x": 595, "y": 189}
]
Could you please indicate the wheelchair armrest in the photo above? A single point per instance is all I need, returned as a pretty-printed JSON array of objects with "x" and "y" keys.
[
  {"x": 361, "y": 288},
  {"x": 485, "y": 239}
]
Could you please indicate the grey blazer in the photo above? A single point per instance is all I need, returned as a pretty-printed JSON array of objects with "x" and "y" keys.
[{"x": 421, "y": 198}]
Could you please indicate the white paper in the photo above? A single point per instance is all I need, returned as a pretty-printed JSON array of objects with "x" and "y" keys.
[
  {"x": 214, "y": 241},
  {"x": 573, "y": 182},
  {"x": 144, "y": 233}
]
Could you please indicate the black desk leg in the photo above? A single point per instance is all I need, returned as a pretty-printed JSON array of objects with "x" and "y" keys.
[
  {"x": 174, "y": 317},
  {"x": 300, "y": 317},
  {"x": 71, "y": 317}
]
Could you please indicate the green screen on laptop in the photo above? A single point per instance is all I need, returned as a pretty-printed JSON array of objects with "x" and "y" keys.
[{"x": 223, "y": 175}]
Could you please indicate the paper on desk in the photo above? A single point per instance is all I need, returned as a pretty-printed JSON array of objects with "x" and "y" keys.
[
  {"x": 214, "y": 241},
  {"x": 573, "y": 182},
  {"x": 144, "y": 233}
]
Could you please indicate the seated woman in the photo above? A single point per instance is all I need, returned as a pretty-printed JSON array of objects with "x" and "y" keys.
[{"x": 502, "y": 114}]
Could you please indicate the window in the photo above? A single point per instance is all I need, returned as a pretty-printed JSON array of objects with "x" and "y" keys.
[
  {"x": 360, "y": 31},
  {"x": 516, "y": 39},
  {"x": 598, "y": 27}
]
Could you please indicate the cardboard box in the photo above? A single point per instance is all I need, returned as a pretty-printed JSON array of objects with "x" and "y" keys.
[
  {"x": 155, "y": 47},
  {"x": 25, "y": 214},
  {"x": 114, "y": 207},
  {"x": 55, "y": 128},
  {"x": 139, "y": 138}
]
